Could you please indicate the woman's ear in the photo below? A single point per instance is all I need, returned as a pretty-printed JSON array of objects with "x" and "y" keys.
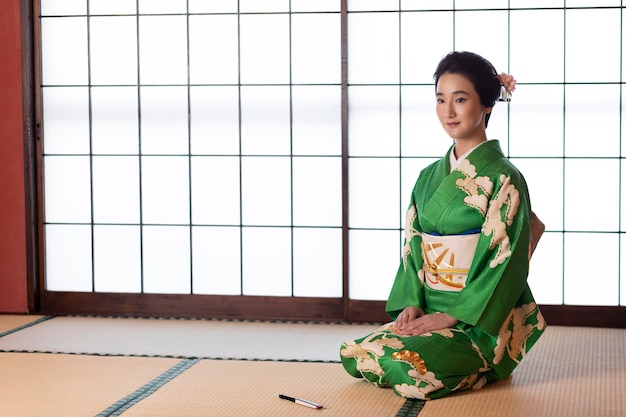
[{"x": 487, "y": 114}]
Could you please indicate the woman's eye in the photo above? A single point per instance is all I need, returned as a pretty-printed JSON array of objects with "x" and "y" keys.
[{"x": 460, "y": 100}]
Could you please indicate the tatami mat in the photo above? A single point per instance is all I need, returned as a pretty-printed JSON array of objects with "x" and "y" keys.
[
  {"x": 185, "y": 338},
  {"x": 246, "y": 388},
  {"x": 10, "y": 322},
  {"x": 43, "y": 385},
  {"x": 571, "y": 372}
]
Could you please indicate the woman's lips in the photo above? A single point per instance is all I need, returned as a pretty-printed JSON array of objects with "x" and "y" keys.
[{"x": 452, "y": 124}]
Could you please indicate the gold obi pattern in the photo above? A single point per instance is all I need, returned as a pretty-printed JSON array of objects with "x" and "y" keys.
[{"x": 447, "y": 260}]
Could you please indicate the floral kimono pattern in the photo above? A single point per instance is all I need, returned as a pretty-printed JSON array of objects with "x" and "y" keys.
[{"x": 466, "y": 253}]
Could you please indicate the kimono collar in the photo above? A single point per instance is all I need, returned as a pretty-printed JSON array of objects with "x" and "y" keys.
[
  {"x": 481, "y": 155},
  {"x": 454, "y": 162}
]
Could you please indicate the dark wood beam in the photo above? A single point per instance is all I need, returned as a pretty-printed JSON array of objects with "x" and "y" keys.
[{"x": 281, "y": 308}]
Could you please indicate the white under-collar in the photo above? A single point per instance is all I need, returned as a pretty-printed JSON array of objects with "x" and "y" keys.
[{"x": 454, "y": 162}]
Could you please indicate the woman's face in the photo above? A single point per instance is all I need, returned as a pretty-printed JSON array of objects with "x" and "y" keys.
[{"x": 459, "y": 108}]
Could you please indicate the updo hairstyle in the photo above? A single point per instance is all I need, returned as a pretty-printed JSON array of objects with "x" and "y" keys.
[{"x": 475, "y": 68}]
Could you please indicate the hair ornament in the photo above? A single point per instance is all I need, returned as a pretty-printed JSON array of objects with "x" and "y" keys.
[{"x": 508, "y": 86}]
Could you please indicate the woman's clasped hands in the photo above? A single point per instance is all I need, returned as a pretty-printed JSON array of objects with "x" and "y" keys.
[{"x": 412, "y": 321}]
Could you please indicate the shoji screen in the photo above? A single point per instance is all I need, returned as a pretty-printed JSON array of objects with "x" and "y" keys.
[
  {"x": 192, "y": 146},
  {"x": 196, "y": 147}
]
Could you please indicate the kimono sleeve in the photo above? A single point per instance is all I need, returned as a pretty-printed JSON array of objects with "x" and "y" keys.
[
  {"x": 408, "y": 286},
  {"x": 497, "y": 277}
]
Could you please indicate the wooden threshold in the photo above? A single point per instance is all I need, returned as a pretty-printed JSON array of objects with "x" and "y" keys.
[{"x": 280, "y": 308}]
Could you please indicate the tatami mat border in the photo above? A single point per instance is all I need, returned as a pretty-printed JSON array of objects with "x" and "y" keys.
[
  {"x": 411, "y": 408},
  {"x": 26, "y": 326},
  {"x": 125, "y": 403},
  {"x": 331, "y": 323},
  {"x": 214, "y": 358}
]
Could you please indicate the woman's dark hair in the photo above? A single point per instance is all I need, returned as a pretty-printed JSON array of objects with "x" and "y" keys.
[{"x": 475, "y": 68}]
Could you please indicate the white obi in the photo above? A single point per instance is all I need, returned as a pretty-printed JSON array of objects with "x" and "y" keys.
[{"x": 447, "y": 260}]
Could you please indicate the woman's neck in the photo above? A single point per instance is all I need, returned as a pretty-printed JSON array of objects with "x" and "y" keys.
[{"x": 461, "y": 146}]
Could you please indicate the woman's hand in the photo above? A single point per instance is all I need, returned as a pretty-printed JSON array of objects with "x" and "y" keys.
[
  {"x": 406, "y": 316},
  {"x": 422, "y": 323}
]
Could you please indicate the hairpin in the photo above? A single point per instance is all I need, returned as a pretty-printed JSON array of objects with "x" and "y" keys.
[{"x": 508, "y": 86}]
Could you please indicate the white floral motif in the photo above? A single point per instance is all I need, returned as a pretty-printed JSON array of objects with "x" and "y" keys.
[
  {"x": 425, "y": 380},
  {"x": 415, "y": 391},
  {"x": 448, "y": 333},
  {"x": 514, "y": 340},
  {"x": 474, "y": 381},
  {"x": 507, "y": 196},
  {"x": 410, "y": 391},
  {"x": 364, "y": 363},
  {"x": 409, "y": 232},
  {"x": 471, "y": 184},
  {"x": 370, "y": 365},
  {"x": 367, "y": 352}
]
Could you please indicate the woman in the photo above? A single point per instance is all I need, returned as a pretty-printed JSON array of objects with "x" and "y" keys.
[{"x": 464, "y": 314}]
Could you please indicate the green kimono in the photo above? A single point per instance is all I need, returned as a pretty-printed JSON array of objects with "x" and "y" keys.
[{"x": 466, "y": 253}]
